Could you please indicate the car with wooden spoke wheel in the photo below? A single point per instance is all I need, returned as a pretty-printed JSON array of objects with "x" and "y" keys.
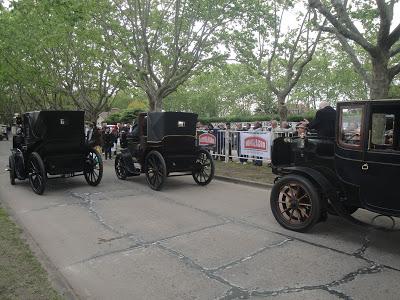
[
  {"x": 50, "y": 145},
  {"x": 162, "y": 145},
  {"x": 355, "y": 169}
]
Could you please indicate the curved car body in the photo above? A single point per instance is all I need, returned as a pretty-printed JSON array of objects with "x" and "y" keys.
[
  {"x": 357, "y": 169},
  {"x": 163, "y": 144},
  {"x": 50, "y": 144}
]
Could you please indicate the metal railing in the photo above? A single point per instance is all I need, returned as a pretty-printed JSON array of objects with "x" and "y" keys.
[{"x": 227, "y": 144}]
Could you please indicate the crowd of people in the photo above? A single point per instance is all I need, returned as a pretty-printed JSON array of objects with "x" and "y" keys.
[
  {"x": 323, "y": 125},
  {"x": 106, "y": 138}
]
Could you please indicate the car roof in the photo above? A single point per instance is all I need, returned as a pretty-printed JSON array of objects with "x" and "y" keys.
[{"x": 385, "y": 101}]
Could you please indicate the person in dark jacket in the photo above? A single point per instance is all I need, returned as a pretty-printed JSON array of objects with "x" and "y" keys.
[
  {"x": 108, "y": 141},
  {"x": 96, "y": 140},
  {"x": 324, "y": 121}
]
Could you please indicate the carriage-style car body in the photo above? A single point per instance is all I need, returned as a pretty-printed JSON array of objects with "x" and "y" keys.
[
  {"x": 359, "y": 168},
  {"x": 163, "y": 144},
  {"x": 50, "y": 144}
]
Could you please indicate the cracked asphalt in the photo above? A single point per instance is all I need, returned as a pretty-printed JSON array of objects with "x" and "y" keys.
[{"x": 121, "y": 240}]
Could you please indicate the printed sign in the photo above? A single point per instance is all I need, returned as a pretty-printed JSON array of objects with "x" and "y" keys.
[
  {"x": 206, "y": 139},
  {"x": 256, "y": 144}
]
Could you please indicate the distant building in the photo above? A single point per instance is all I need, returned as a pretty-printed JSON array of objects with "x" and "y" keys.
[{"x": 104, "y": 115}]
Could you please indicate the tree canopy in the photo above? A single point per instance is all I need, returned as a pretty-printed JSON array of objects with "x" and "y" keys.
[{"x": 216, "y": 58}]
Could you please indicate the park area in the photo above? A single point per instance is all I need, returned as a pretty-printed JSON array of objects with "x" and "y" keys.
[{"x": 199, "y": 149}]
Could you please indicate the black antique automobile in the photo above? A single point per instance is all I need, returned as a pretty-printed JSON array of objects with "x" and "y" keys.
[
  {"x": 51, "y": 144},
  {"x": 163, "y": 144},
  {"x": 359, "y": 168}
]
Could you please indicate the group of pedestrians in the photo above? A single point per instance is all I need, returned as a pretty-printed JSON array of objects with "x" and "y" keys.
[
  {"x": 323, "y": 125},
  {"x": 105, "y": 138}
]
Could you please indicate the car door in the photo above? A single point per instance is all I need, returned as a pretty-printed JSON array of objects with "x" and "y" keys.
[
  {"x": 350, "y": 139},
  {"x": 381, "y": 165}
]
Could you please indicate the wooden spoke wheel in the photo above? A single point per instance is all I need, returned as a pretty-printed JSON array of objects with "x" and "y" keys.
[
  {"x": 204, "y": 168},
  {"x": 156, "y": 170},
  {"x": 119, "y": 167},
  {"x": 11, "y": 167},
  {"x": 37, "y": 173},
  {"x": 93, "y": 169},
  {"x": 295, "y": 203}
]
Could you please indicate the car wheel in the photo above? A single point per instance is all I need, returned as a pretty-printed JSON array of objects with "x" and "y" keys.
[
  {"x": 295, "y": 203},
  {"x": 11, "y": 167},
  {"x": 93, "y": 169},
  {"x": 119, "y": 167},
  {"x": 204, "y": 168},
  {"x": 156, "y": 170},
  {"x": 37, "y": 173}
]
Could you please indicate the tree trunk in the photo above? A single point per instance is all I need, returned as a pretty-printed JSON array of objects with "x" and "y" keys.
[
  {"x": 92, "y": 116},
  {"x": 380, "y": 81},
  {"x": 283, "y": 111},
  {"x": 155, "y": 103}
]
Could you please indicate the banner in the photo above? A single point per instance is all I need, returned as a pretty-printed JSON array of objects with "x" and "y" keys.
[
  {"x": 207, "y": 139},
  {"x": 256, "y": 144}
]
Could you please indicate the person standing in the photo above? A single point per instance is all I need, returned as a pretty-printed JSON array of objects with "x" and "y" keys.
[
  {"x": 242, "y": 158},
  {"x": 96, "y": 140},
  {"x": 114, "y": 132},
  {"x": 108, "y": 142},
  {"x": 257, "y": 128},
  {"x": 324, "y": 121}
]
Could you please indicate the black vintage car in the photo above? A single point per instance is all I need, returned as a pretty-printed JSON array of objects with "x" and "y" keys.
[
  {"x": 163, "y": 144},
  {"x": 359, "y": 168},
  {"x": 51, "y": 144}
]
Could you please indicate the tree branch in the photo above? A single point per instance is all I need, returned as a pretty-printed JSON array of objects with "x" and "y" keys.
[{"x": 349, "y": 33}]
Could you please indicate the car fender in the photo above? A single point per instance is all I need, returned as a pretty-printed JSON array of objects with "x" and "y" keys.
[
  {"x": 19, "y": 163},
  {"x": 129, "y": 164},
  {"x": 328, "y": 189}
]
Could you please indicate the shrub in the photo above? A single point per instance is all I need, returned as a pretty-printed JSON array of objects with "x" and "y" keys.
[
  {"x": 254, "y": 118},
  {"x": 125, "y": 116}
]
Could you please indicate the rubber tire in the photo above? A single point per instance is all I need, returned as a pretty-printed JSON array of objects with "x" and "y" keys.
[
  {"x": 36, "y": 156},
  {"x": 164, "y": 172},
  {"x": 209, "y": 157},
  {"x": 121, "y": 176},
  {"x": 11, "y": 166},
  {"x": 100, "y": 160},
  {"x": 315, "y": 198}
]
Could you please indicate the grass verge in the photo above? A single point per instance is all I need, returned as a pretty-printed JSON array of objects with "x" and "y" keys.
[
  {"x": 21, "y": 275},
  {"x": 260, "y": 174}
]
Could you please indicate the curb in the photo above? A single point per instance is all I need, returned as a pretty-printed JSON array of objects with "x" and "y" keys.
[
  {"x": 244, "y": 182},
  {"x": 55, "y": 277}
]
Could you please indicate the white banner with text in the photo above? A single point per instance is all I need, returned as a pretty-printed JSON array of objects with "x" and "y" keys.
[{"x": 256, "y": 144}]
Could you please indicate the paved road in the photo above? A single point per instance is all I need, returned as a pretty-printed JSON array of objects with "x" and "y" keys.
[{"x": 122, "y": 240}]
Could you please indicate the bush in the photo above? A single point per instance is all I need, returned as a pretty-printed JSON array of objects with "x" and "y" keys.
[
  {"x": 253, "y": 118},
  {"x": 125, "y": 116}
]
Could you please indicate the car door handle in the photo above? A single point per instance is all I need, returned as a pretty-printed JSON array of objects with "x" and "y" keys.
[{"x": 365, "y": 167}]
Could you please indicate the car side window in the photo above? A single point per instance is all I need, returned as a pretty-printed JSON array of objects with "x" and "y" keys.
[
  {"x": 381, "y": 134},
  {"x": 350, "y": 127}
]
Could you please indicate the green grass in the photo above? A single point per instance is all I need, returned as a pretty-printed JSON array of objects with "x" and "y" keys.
[
  {"x": 21, "y": 275},
  {"x": 262, "y": 174}
]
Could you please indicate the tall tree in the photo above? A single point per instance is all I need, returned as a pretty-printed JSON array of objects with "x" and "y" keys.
[
  {"x": 161, "y": 43},
  {"x": 55, "y": 56},
  {"x": 329, "y": 77},
  {"x": 369, "y": 27},
  {"x": 277, "y": 53},
  {"x": 225, "y": 91}
]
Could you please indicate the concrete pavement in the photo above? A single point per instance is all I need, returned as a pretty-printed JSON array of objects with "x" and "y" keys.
[{"x": 121, "y": 240}]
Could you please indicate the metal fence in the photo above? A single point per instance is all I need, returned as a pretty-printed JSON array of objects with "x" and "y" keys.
[{"x": 227, "y": 145}]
